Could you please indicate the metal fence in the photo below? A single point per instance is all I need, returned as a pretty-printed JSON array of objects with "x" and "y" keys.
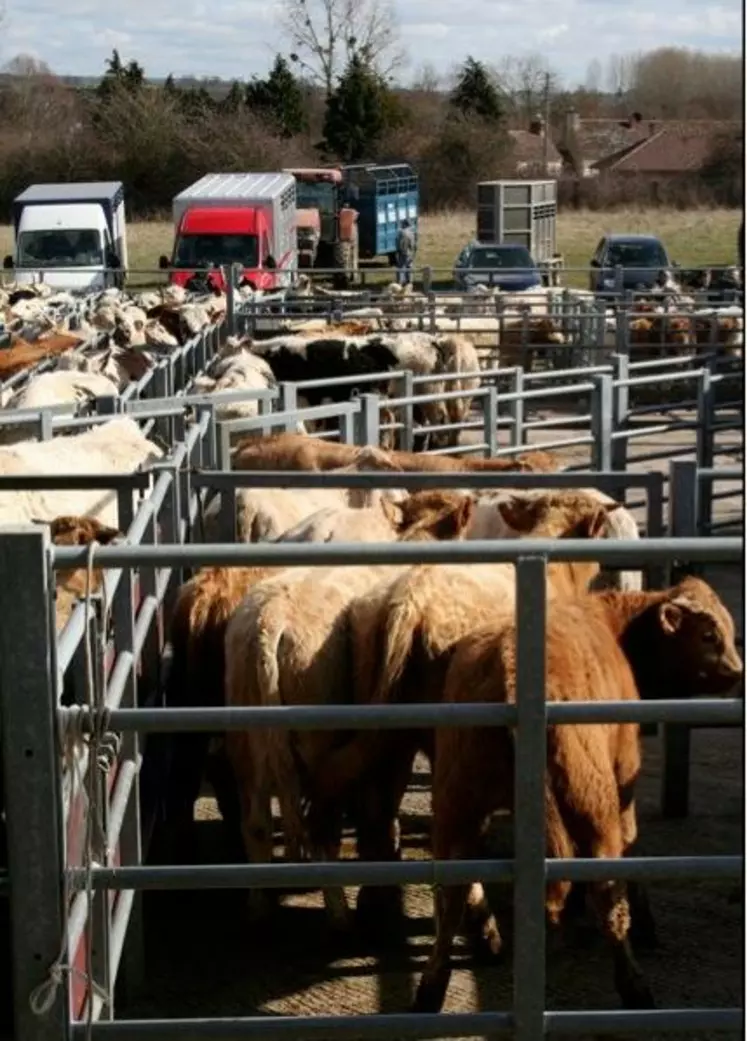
[
  {"x": 36, "y": 737},
  {"x": 126, "y": 668}
]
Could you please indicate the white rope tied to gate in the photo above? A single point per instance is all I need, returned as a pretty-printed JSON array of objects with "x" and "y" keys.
[{"x": 91, "y": 724}]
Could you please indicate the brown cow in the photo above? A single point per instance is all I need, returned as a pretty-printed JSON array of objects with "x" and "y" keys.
[
  {"x": 298, "y": 452},
  {"x": 600, "y": 647}
]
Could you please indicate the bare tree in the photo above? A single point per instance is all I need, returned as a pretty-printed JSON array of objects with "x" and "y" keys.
[
  {"x": 325, "y": 34},
  {"x": 525, "y": 79},
  {"x": 593, "y": 81},
  {"x": 427, "y": 79},
  {"x": 28, "y": 67}
]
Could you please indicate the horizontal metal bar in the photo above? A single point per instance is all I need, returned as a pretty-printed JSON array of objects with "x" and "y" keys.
[
  {"x": 483, "y": 551},
  {"x": 725, "y": 711},
  {"x": 658, "y": 378},
  {"x": 727, "y": 473},
  {"x": 473, "y": 479},
  {"x": 137, "y": 481},
  {"x": 327, "y": 874},
  {"x": 407, "y": 1025}
]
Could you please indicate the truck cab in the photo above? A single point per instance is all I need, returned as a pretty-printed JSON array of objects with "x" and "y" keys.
[
  {"x": 71, "y": 236},
  {"x": 227, "y": 219}
]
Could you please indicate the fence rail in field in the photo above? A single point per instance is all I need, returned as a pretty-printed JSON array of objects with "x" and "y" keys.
[{"x": 31, "y": 729}]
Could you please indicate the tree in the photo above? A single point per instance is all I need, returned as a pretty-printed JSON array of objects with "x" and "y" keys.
[
  {"x": 234, "y": 100},
  {"x": 475, "y": 93},
  {"x": 27, "y": 66},
  {"x": 279, "y": 100},
  {"x": 526, "y": 80},
  {"x": 358, "y": 113},
  {"x": 324, "y": 35},
  {"x": 118, "y": 76}
]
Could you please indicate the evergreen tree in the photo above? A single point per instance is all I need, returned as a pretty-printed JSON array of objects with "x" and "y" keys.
[
  {"x": 234, "y": 99},
  {"x": 118, "y": 76},
  {"x": 358, "y": 112},
  {"x": 475, "y": 93},
  {"x": 170, "y": 88},
  {"x": 279, "y": 100}
]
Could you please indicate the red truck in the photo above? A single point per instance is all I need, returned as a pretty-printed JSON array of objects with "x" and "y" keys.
[{"x": 246, "y": 219}]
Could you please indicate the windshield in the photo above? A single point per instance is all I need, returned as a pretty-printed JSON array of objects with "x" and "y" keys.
[
  {"x": 636, "y": 254},
  {"x": 515, "y": 257},
  {"x": 202, "y": 251},
  {"x": 63, "y": 247},
  {"x": 315, "y": 196}
]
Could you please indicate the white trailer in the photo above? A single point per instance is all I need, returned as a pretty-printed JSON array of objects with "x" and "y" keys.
[{"x": 72, "y": 236}]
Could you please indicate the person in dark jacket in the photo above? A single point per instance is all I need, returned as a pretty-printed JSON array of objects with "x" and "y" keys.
[{"x": 405, "y": 253}]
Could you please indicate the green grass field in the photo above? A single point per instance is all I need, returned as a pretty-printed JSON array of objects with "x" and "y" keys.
[{"x": 694, "y": 238}]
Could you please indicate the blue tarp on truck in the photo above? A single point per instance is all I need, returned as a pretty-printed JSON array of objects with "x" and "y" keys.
[{"x": 383, "y": 196}]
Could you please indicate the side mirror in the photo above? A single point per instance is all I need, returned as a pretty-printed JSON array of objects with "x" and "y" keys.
[
  {"x": 675, "y": 265},
  {"x": 113, "y": 261},
  {"x": 270, "y": 262},
  {"x": 8, "y": 262},
  {"x": 163, "y": 263},
  {"x": 594, "y": 263}
]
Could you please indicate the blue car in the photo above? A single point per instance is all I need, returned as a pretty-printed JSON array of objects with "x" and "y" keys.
[
  {"x": 641, "y": 257},
  {"x": 502, "y": 265}
]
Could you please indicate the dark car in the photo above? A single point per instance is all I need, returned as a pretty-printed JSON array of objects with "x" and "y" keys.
[
  {"x": 504, "y": 265},
  {"x": 641, "y": 257}
]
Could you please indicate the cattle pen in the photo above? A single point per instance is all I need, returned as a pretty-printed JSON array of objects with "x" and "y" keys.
[{"x": 109, "y": 941}]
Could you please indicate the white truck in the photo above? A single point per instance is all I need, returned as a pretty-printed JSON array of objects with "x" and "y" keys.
[
  {"x": 234, "y": 218},
  {"x": 72, "y": 236}
]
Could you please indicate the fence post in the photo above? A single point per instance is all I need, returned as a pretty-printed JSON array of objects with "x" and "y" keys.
[
  {"x": 516, "y": 407},
  {"x": 227, "y": 272},
  {"x": 704, "y": 446},
  {"x": 619, "y": 451},
  {"x": 619, "y": 282},
  {"x": 407, "y": 437},
  {"x": 675, "y": 737},
  {"x": 367, "y": 420},
  {"x": 490, "y": 420},
  {"x": 601, "y": 422},
  {"x": 530, "y": 758},
  {"x": 427, "y": 278},
  {"x": 31, "y": 778},
  {"x": 289, "y": 403}
]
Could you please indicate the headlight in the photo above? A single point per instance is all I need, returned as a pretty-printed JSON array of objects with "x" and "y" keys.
[{"x": 608, "y": 283}]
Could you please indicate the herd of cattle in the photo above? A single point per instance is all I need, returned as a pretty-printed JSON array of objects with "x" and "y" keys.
[
  {"x": 372, "y": 634},
  {"x": 117, "y": 338}
]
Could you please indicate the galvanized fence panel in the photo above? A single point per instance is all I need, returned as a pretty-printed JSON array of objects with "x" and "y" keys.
[{"x": 529, "y": 1015}]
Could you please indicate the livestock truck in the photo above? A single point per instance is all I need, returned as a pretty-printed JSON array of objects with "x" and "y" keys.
[
  {"x": 247, "y": 219},
  {"x": 521, "y": 213},
  {"x": 71, "y": 236},
  {"x": 351, "y": 213}
]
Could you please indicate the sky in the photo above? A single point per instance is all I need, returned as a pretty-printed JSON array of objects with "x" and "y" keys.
[{"x": 238, "y": 38}]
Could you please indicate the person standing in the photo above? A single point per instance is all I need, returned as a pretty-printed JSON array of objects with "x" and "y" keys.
[{"x": 405, "y": 253}]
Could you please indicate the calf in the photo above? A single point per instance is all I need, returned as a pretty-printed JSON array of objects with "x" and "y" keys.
[{"x": 599, "y": 647}]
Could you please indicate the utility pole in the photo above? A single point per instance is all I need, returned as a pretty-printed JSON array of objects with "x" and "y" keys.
[{"x": 546, "y": 139}]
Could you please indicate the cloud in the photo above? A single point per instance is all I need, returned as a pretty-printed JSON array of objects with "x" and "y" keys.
[{"x": 238, "y": 38}]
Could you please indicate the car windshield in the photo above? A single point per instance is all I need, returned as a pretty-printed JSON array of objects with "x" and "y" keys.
[
  {"x": 495, "y": 257},
  {"x": 636, "y": 254},
  {"x": 319, "y": 195},
  {"x": 202, "y": 251},
  {"x": 63, "y": 247}
]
